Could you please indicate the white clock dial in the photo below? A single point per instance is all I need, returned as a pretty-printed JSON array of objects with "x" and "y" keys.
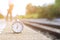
[{"x": 17, "y": 27}]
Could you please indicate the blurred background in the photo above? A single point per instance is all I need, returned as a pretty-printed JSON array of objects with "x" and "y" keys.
[
  {"x": 40, "y": 19},
  {"x": 32, "y": 8}
]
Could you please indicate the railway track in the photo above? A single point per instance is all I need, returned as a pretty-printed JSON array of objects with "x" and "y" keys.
[{"x": 52, "y": 29}]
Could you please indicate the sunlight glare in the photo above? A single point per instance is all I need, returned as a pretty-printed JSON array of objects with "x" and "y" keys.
[{"x": 20, "y": 5}]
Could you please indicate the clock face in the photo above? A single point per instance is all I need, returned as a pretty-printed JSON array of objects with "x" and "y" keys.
[{"x": 17, "y": 27}]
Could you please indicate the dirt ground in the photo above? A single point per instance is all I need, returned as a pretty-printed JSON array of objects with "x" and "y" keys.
[{"x": 26, "y": 34}]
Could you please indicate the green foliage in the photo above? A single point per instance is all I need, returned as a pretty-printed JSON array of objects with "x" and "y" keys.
[
  {"x": 20, "y": 16},
  {"x": 49, "y": 11},
  {"x": 57, "y": 3},
  {"x": 31, "y": 15},
  {"x": 1, "y": 16}
]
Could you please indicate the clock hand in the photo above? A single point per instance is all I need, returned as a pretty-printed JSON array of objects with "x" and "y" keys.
[{"x": 17, "y": 26}]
